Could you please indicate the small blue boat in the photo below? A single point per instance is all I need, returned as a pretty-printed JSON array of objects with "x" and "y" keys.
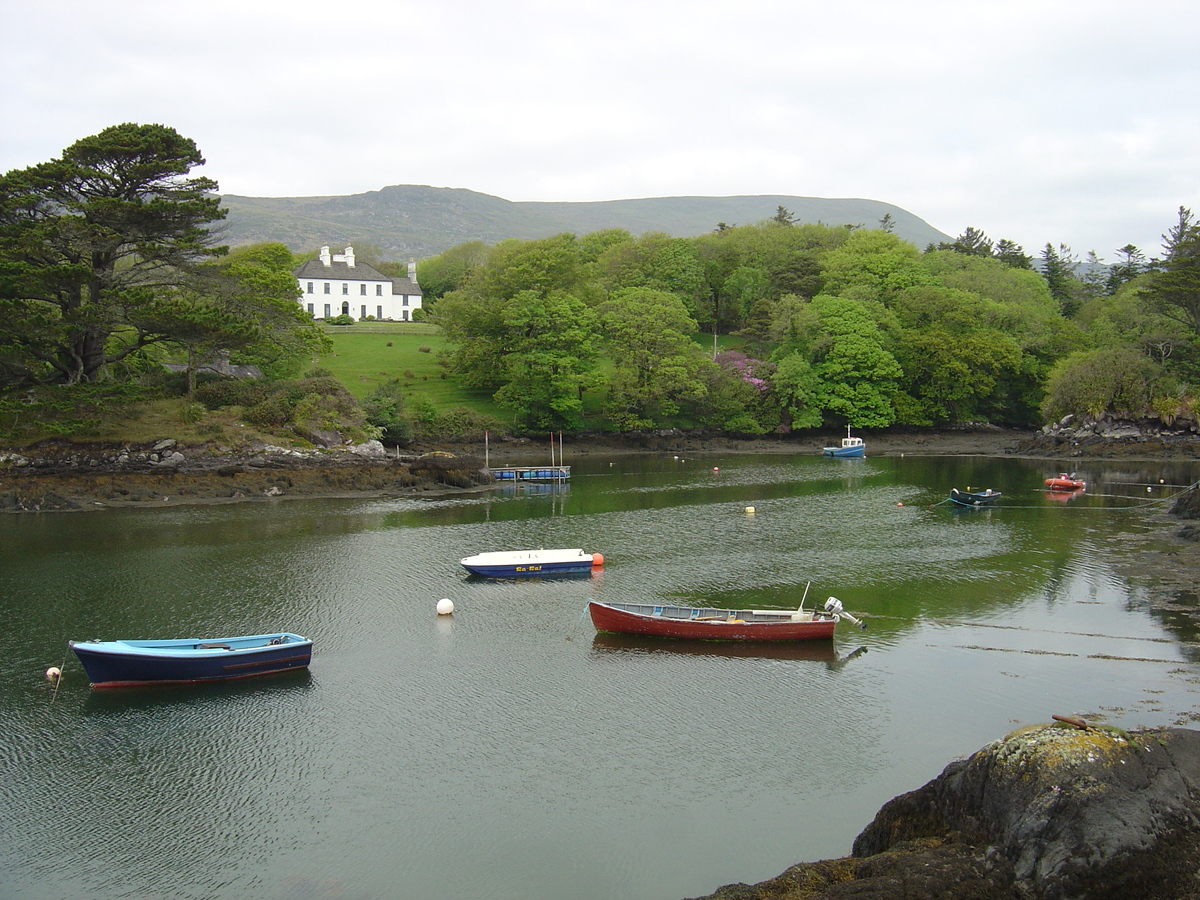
[
  {"x": 974, "y": 497},
  {"x": 851, "y": 448},
  {"x": 523, "y": 563},
  {"x": 190, "y": 660}
]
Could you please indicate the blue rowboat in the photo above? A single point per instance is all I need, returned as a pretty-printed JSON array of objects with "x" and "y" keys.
[
  {"x": 190, "y": 660},
  {"x": 523, "y": 563}
]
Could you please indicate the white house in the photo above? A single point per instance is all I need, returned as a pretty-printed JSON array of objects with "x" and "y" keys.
[{"x": 335, "y": 285}]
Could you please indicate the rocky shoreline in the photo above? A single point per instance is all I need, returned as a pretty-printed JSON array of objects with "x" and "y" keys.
[{"x": 60, "y": 475}]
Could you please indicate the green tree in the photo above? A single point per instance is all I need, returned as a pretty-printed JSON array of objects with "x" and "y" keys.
[
  {"x": 1131, "y": 262},
  {"x": 783, "y": 216},
  {"x": 971, "y": 242},
  {"x": 799, "y": 390},
  {"x": 1012, "y": 254},
  {"x": 1058, "y": 268},
  {"x": 89, "y": 245},
  {"x": 857, "y": 375},
  {"x": 745, "y": 286},
  {"x": 448, "y": 270},
  {"x": 1174, "y": 290},
  {"x": 656, "y": 261},
  {"x": 256, "y": 290},
  {"x": 873, "y": 265},
  {"x": 658, "y": 368},
  {"x": 386, "y": 410},
  {"x": 551, "y": 348},
  {"x": 1117, "y": 381}
]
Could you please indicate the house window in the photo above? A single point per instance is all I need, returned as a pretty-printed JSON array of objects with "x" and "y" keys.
[
  {"x": 379, "y": 290},
  {"x": 406, "y": 299},
  {"x": 345, "y": 288},
  {"x": 327, "y": 308},
  {"x": 363, "y": 314},
  {"x": 309, "y": 291},
  {"x": 327, "y": 287},
  {"x": 362, "y": 289},
  {"x": 311, "y": 311},
  {"x": 404, "y": 315},
  {"x": 379, "y": 312}
]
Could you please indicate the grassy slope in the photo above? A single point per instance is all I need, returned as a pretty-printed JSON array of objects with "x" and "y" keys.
[{"x": 370, "y": 354}]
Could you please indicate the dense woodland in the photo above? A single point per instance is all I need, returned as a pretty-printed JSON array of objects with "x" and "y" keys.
[
  {"x": 834, "y": 325},
  {"x": 110, "y": 264}
]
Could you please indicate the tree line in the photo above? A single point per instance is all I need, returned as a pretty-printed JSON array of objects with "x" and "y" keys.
[
  {"x": 828, "y": 326},
  {"x": 110, "y": 263}
]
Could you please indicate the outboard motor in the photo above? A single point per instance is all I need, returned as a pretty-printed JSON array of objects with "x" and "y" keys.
[{"x": 833, "y": 606}]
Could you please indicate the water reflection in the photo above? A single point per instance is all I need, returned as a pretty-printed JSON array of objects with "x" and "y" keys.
[
  {"x": 796, "y": 651},
  {"x": 213, "y": 696}
]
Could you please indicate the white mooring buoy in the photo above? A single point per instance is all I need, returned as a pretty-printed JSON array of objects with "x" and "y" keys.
[
  {"x": 53, "y": 673},
  {"x": 445, "y": 606}
]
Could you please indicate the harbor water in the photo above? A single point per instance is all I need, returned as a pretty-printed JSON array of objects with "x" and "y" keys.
[{"x": 507, "y": 751}]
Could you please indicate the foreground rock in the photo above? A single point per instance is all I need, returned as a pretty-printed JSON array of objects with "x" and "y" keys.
[{"x": 1053, "y": 811}]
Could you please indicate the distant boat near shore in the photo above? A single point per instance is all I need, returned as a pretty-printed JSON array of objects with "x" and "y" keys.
[{"x": 850, "y": 448}]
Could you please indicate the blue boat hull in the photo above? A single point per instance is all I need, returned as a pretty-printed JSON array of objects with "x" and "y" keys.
[
  {"x": 973, "y": 499},
  {"x": 525, "y": 563},
  {"x": 133, "y": 663},
  {"x": 846, "y": 452},
  {"x": 523, "y": 571}
]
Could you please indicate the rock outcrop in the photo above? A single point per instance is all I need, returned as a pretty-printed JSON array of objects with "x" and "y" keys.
[
  {"x": 70, "y": 477},
  {"x": 1053, "y": 812},
  {"x": 1115, "y": 438}
]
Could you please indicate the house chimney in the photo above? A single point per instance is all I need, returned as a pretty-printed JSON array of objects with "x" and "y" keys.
[
  {"x": 349, "y": 257},
  {"x": 325, "y": 260},
  {"x": 412, "y": 271}
]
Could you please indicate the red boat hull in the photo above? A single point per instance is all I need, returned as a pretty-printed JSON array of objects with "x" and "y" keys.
[
  {"x": 731, "y": 625},
  {"x": 1065, "y": 484}
]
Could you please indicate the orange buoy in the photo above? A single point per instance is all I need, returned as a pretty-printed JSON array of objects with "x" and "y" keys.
[{"x": 597, "y": 560}]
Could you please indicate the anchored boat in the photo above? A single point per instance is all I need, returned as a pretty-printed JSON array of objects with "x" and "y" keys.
[
  {"x": 850, "y": 448},
  {"x": 521, "y": 563},
  {"x": 700, "y": 623},
  {"x": 190, "y": 660}
]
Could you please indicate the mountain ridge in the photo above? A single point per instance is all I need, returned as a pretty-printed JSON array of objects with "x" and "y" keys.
[{"x": 403, "y": 222}]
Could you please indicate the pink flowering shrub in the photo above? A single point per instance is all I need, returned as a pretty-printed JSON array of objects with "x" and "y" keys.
[{"x": 753, "y": 372}]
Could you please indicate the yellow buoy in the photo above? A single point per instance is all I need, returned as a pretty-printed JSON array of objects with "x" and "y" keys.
[{"x": 750, "y": 510}]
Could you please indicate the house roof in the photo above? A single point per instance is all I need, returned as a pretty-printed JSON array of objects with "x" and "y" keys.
[
  {"x": 339, "y": 271},
  {"x": 406, "y": 285}
]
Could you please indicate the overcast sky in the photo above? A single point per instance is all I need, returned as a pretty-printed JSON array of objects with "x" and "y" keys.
[{"x": 1062, "y": 121}]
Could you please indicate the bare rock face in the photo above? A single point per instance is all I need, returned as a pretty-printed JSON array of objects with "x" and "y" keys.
[{"x": 1051, "y": 812}]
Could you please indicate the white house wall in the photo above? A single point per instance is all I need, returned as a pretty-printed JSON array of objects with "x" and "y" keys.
[{"x": 358, "y": 299}]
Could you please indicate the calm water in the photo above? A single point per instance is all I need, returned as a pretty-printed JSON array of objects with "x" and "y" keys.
[{"x": 508, "y": 751}]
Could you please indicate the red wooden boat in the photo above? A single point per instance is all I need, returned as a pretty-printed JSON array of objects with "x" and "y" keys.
[
  {"x": 1065, "y": 482},
  {"x": 698, "y": 623}
]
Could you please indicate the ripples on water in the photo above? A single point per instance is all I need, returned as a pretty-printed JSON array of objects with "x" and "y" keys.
[{"x": 510, "y": 752}]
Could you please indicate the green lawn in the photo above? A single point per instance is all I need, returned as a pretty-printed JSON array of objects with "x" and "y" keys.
[{"x": 369, "y": 354}]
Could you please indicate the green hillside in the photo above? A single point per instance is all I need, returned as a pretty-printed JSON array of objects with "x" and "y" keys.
[{"x": 416, "y": 221}]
